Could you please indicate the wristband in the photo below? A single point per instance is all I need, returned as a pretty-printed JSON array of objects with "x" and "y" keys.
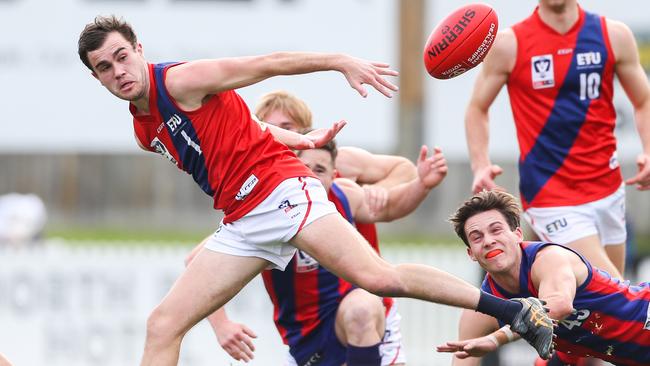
[
  {"x": 508, "y": 333},
  {"x": 493, "y": 339}
]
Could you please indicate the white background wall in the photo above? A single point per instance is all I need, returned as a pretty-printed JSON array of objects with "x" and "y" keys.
[{"x": 51, "y": 103}]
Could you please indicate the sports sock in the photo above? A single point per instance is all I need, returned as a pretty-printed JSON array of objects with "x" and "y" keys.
[
  {"x": 363, "y": 356},
  {"x": 504, "y": 310}
]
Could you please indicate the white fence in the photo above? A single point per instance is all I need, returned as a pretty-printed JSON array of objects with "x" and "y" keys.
[{"x": 88, "y": 306}]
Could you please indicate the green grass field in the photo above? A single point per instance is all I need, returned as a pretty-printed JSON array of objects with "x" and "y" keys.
[{"x": 102, "y": 235}]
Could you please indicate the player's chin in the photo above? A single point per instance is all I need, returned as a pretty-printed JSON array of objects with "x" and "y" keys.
[{"x": 129, "y": 96}]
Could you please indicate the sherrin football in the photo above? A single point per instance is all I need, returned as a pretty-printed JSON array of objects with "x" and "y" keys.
[{"x": 460, "y": 41}]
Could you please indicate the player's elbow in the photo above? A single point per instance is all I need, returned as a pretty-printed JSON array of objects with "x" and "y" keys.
[
  {"x": 560, "y": 309},
  {"x": 385, "y": 283}
]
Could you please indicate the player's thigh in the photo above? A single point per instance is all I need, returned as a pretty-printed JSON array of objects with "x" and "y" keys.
[
  {"x": 363, "y": 306},
  {"x": 209, "y": 281},
  {"x": 337, "y": 246},
  {"x": 616, "y": 253},
  {"x": 562, "y": 225}
]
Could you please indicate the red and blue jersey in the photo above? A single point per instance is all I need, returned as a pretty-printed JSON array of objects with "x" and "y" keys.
[
  {"x": 561, "y": 91},
  {"x": 305, "y": 293},
  {"x": 227, "y": 153},
  {"x": 612, "y": 319}
]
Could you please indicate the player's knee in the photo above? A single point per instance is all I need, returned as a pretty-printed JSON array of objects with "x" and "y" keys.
[
  {"x": 162, "y": 326},
  {"x": 362, "y": 317}
]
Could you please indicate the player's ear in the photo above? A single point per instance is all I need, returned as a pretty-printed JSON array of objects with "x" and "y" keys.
[
  {"x": 519, "y": 233},
  {"x": 138, "y": 49},
  {"x": 471, "y": 254},
  {"x": 94, "y": 75}
]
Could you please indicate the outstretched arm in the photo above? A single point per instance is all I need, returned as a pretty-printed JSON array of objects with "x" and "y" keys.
[
  {"x": 474, "y": 341},
  {"x": 556, "y": 273},
  {"x": 406, "y": 197},
  {"x": 493, "y": 75},
  {"x": 367, "y": 168},
  {"x": 190, "y": 82},
  {"x": 635, "y": 83},
  {"x": 294, "y": 140},
  {"x": 374, "y": 172}
]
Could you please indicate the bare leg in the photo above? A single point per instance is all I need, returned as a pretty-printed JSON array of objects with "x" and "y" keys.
[
  {"x": 210, "y": 280},
  {"x": 616, "y": 253},
  {"x": 350, "y": 257},
  {"x": 4, "y": 361},
  {"x": 360, "y": 319},
  {"x": 591, "y": 248}
]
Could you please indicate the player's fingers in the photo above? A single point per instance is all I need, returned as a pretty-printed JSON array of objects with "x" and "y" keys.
[
  {"x": 246, "y": 345},
  {"x": 387, "y": 83},
  {"x": 633, "y": 180},
  {"x": 234, "y": 353},
  {"x": 495, "y": 170},
  {"x": 380, "y": 64},
  {"x": 248, "y": 332},
  {"x": 441, "y": 161},
  {"x": 246, "y": 353},
  {"x": 358, "y": 86},
  {"x": 244, "y": 357},
  {"x": 339, "y": 125},
  {"x": 377, "y": 84},
  {"x": 445, "y": 348},
  {"x": 424, "y": 150},
  {"x": 462, "y": 355}
]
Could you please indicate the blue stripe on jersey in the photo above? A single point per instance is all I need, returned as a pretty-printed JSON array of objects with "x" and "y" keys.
[
  {"x": 283, "y": 283},
  {"x": 284, "y": 289},
  {"x": 586, "y": 338},
  {"x": 615, "y": 305},
  {"x": 344, "y": 202},
  {"x": 182, "y": 133},
  {"x": 567, "y": 116}
]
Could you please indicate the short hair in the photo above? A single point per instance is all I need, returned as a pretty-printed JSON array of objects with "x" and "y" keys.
[
  {"x": 330, "y": 146},
  {"x": 486, "y": 201},
  {"x": 286, "y": 103},
  {"x": 95, "y": 33}
]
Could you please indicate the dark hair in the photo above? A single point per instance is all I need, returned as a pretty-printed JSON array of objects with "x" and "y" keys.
[
  {"x": 95, "y": 33},
  {"x": 486, "y": 201},
  {"x": 330, "y": 146}
]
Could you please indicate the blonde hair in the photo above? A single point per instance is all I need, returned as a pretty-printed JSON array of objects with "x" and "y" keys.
[{"x": 288, "y": 104}]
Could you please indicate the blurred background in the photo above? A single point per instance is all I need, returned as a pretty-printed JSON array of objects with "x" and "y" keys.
[{"x": 108, "y": 225}]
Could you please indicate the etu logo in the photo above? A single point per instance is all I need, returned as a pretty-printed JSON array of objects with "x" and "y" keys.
[{"x": 588, "y": 58}]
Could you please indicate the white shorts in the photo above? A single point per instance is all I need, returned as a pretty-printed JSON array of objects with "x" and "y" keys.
[
  {"x": 265, "y": 230},
  {"x": 391, "y": 348},
  {"x": 565, "y": 224}
]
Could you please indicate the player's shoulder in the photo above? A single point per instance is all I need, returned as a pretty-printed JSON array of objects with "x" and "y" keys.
[
  {"x": 352, "y": 191},
  {"x": 504, "y": 50},
  {"x": 350, "y": 154},
  {"x": 506, "y": 41},
  {"x": 621, "y": 39},
  {"x": 553, "y": 252},
  {"x": 347, "y": 184},
  {"x": 618, "y": 31}
]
